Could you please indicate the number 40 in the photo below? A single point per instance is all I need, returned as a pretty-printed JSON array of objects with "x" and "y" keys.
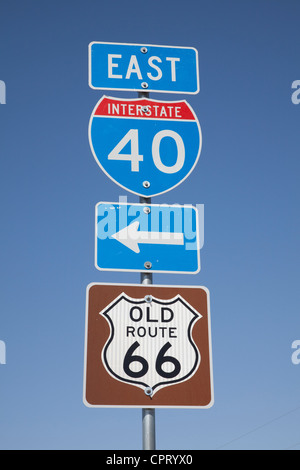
[{"x": 135, "y": 158}]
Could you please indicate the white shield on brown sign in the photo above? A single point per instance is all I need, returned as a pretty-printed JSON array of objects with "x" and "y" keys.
[{"x": 150, "y": 344}]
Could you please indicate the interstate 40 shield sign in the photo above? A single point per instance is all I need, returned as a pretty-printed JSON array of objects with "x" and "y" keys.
[
  {"x": 145, "y": 146},
  {"x": 147, "y": 346}
]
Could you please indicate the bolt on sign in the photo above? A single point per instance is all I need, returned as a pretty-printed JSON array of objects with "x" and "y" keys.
[{"x": 148, "y": 346}]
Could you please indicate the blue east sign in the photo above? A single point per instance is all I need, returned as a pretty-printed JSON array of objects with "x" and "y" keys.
[{"x": 139, "y": 67}]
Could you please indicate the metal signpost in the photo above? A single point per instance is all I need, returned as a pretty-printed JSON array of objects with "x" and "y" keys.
[{"x": 154, "y": 340}]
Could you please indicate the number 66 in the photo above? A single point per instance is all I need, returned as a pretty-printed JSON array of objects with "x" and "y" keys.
[{"x": 161, "y": 359}]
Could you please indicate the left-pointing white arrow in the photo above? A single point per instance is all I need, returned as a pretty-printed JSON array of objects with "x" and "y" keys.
[{"x": 131, "y": 237}]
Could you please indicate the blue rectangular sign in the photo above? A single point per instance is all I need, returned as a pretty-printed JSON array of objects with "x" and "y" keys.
[
  {"x": 147, "y": 238},
  {"x": 143, "y": 67}
]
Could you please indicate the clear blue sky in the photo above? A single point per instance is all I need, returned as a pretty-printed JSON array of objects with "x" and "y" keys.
[{"x": 247, "y": 178}]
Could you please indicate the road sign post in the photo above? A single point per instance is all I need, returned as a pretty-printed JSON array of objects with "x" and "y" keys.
[
  {"x": 155, "y": 340},
  {"x": 148, "y": 414}
]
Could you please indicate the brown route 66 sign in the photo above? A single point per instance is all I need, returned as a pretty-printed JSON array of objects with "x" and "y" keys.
[{"x": 147, "y": 346}]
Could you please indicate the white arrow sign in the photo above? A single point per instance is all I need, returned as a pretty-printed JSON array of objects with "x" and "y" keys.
[{"x": 131, "y": 237}]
